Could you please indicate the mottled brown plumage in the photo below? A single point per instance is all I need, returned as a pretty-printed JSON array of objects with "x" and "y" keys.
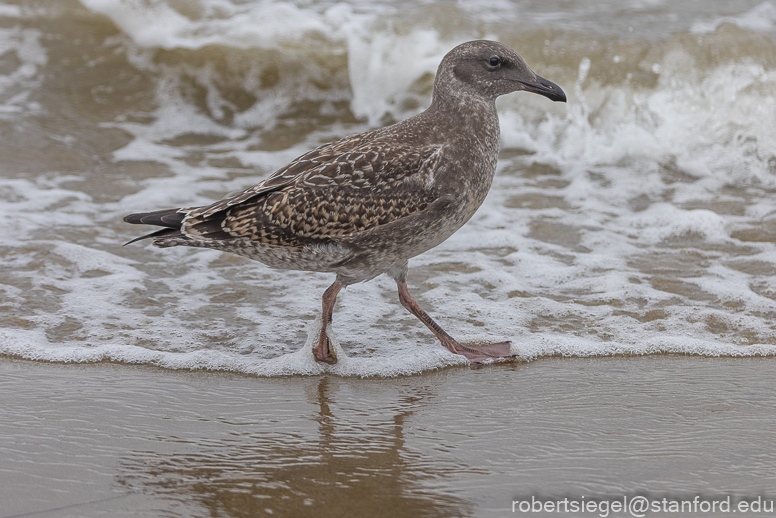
[
  {"x": 365, "y": 204},
  {"x": 336, "y": 197}
]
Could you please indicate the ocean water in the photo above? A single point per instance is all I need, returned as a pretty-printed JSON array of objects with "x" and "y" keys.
[{"x": 638, "y": 218}]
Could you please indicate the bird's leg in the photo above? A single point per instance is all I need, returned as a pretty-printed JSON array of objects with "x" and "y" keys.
[
  {"x": 498, "y": 352},
  {"x": 323, "y": 351}
]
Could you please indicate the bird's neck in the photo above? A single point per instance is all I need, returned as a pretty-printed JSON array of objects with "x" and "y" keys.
[
  {"x": 470, "y": 126},
  {"x": 469, "y": 120}
]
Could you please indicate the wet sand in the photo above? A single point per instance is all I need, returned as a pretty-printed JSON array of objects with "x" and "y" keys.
[{"x": 117, "y": 440}]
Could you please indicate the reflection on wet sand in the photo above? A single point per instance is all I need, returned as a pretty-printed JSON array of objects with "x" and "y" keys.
[{"x": 350, "y": 469}]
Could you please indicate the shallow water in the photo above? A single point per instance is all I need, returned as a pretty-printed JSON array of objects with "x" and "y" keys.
[
  {"x": 113, "y": 440},
  {"x": 638, "y": 218}
]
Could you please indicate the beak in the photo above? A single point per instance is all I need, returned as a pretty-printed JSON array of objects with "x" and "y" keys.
[{"x": 546, "y": 88}]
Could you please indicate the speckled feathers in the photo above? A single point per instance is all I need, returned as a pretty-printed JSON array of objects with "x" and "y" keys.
[{"x": 323, "y": 194}]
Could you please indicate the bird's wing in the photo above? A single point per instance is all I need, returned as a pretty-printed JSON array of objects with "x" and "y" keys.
[
  {"x": 284, "y": 176},
  {"x": 323, "y": 196},
  {"x": 277, "y": 180}
]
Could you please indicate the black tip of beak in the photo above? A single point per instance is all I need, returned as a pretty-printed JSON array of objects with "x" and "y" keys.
[{"x": 546, "y": 88}]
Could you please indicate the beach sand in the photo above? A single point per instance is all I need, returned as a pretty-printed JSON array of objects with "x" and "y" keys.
[{"x": 117, "y": 440}]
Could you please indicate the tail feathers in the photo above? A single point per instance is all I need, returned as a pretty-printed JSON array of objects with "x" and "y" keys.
[{"x": 170, "y": 218}]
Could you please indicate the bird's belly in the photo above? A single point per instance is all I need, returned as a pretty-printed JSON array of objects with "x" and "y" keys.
[
  {"x": 377, "y": 250},
  {"x": 314, "y": 257}
]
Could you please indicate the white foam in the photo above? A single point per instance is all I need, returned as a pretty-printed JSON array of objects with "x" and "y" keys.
[
  {"x": 157, "y": 23},
  {"x": 11, "y": 11},
  {"x": 34, "y": 345},
  {"x": 16, "y": 85},
  {"x": 381, "y": 73},
  {"x": 719, "y": 124},
  {"x": 761, "y": 18},
  {"x": 665, "y": 221}
]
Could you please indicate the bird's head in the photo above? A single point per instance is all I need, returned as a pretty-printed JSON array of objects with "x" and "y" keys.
[{"x": 488, "y": 69}]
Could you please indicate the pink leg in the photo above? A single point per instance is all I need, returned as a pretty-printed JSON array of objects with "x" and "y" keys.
[
  {"x": 487, "y": 353},
  {"x": 323, "y": 352}
]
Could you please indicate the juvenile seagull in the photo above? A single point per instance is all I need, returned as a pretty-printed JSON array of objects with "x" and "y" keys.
[{"x": 365, "y": 204}]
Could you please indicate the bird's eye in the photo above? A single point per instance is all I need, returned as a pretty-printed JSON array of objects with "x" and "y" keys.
[{"x": 495, "y": 61}]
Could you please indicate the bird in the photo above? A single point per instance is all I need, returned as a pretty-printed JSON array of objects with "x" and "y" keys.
[{"x": 365, "y": 204}]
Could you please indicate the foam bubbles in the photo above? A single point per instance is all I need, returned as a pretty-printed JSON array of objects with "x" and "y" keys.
[{"x": 663, "y": 221}]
